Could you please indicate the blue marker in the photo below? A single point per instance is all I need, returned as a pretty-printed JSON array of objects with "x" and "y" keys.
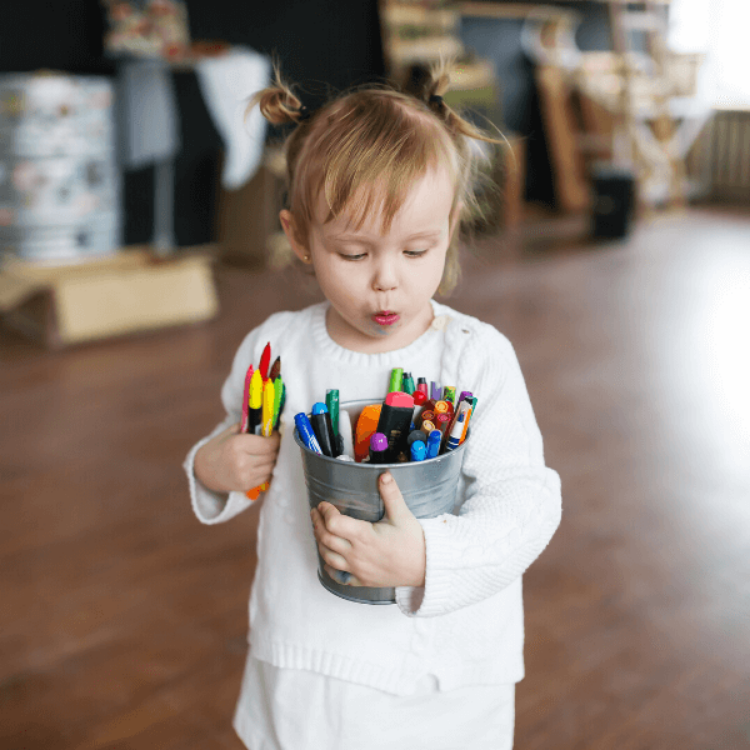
[
  {"x": 454, "y": 439},
  {"x": 306, "y": 434},
  {"x": 433, "y": 443},
  {"x": 418, "y": 451}
]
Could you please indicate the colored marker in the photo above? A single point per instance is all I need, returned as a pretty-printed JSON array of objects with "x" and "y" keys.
[
  {"x": 418, "y": 451},
  {"x": 246, "y": 399},
  {"x": 433, "y": 443},
  {"x": 435, "y": 391},
  {"x": 408, "y": 384},
  {"x": 395, "y": 419},
  {"x": 378, "y": 448},
  {"x": 278, "y": 392},
  {"x": 415, "y": 436},
  {"x": 449, "y": 394},
  {"x": 367, "y": 423},
  {"x": 346, "y": 438},
  {"x": 442, "y": 407},
  {"x": 427, "y": 416},
  {"x": 306, "y": 434},
  {"x": 397, "y": 376},
  {"x": 442, "y": 422},
  {"x": 282, "y": 402},
  {"x": 320, "y": 420},
  {"x": 422, "y": 386},
  {"x": 332, "y": 402},
  {"x": 275, "y": 369},
  {"x": 256, "y": 402},
  {"x": 265, "y": 360},
  {"x": 454, "y": 439},
  {"x": 268, "y": 408},
  {"x": 428, "y": 426}
]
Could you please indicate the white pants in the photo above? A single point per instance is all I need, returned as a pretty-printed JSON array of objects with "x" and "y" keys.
[{"x": 291, "y": 709}]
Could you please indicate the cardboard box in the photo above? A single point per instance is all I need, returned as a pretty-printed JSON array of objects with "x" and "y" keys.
[{"x": 130, "y": 292}]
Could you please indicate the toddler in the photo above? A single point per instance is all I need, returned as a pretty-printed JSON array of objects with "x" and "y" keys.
[{"x": 378, "y": 182}]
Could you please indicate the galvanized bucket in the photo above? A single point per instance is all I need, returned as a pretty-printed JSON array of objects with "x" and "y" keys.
[{"x": 428, "y": 487}]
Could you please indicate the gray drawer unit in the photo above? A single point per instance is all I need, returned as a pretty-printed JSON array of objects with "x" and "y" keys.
[{"x": 59, "y": 179}]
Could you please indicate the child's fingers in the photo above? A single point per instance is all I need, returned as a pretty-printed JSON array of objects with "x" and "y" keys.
[
  {"x": 339, "y": 524},
  {"x": 342, "y": 576},
  {"x": 257, "y": 445},
  {"x": 332, "y": 558},
  {"x": 335, "y": 543}
]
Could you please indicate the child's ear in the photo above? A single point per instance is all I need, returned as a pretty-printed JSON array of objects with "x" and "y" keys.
[{"x": 287, "y": 223}]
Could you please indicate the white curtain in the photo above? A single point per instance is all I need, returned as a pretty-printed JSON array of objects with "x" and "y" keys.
[{"x": 720, "y": 29}]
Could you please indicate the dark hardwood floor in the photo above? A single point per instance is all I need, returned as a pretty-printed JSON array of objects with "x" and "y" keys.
[{"x": 123, "y": 620}]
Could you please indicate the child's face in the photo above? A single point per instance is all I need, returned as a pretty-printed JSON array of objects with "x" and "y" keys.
[{"x": 380, "y": 283}]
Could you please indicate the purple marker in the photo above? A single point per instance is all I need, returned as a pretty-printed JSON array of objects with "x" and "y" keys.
[
  {"x": 378, "y": 448},
  {"x": 436, "y": 392}
]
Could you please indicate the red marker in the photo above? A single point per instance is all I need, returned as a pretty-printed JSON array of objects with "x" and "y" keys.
[{"x": 265, "y": 360}]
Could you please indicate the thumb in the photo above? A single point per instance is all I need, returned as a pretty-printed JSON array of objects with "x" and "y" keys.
[{"x": 396, "y": 508}]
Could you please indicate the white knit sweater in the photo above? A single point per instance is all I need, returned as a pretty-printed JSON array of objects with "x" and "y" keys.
[{"x": 466, "y": 625}]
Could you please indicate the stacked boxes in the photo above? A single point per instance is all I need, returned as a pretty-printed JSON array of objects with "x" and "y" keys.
[{"x": 59, "y": 182}]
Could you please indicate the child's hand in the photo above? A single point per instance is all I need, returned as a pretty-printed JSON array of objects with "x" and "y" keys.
[
  {"x": 388, "y": 553},
  {"x": 236, "y": 461}
]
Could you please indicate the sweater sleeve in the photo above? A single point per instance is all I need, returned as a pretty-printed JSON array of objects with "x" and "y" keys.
[
  {"x": 512, "y": 504},
  {"x": 216, "y": 507}
]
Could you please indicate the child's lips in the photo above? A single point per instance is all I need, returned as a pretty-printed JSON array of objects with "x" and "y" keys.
[{"x": 386, "y": 318}]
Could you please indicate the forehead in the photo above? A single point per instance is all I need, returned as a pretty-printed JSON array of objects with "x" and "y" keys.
[{"x": 425, "y": 204}]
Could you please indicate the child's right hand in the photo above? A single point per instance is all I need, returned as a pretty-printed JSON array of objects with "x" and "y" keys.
[{"x": 235, "y": 461}]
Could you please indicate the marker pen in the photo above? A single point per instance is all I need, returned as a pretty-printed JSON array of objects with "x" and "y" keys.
[
  {"x": 246, "y": 399},
  {"x": 275, "y": 370},
  {"x": 433, "y": 443},
  {"x": 449, "y": 394},
  {"x": 428, "y": 426},
  {"x": 346, "y": 437},
  {"x": 427, "y": 416},
  {"x": 256, "y": 402},
  {"x": 395, "y": 418},
  {"x": 416, "y": 436},
  {"x": 265, "y": 360},
  {"x": 367, "y": 423},
  {"x": 320, "y": 420},
  {"x": 418, "y": 451},
  {"x": 463, "y": 408},
  {"x": 408, "y": 384},
  {"x": 419, "y": 401},
  {"x": 268, "y": 402},
  {"x": 306, "y": 434},
  {"x": 442, "y": 422},
  {"x": 397, "y": 376},
  {"x": 332, "y": 402},
  {"x": 422, "y": 386},
  {"x": 442, "y": 407},
  {"x": 454, "y": 439},
  {"x": 435, "y": 391},
  {"x": 378, "y": 448}
]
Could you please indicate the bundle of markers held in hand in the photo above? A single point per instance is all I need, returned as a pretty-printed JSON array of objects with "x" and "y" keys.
[
  {"x": 410, "y": 425},
  {"x": 262, "y": 402}
]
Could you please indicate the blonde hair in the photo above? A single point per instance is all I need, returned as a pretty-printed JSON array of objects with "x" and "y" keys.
[{"x": 370, "y": 144}]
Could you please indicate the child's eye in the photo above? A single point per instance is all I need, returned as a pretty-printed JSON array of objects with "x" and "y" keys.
[
  {"x": 346, "y": 256},
  {"x": 414, "y": 253}
]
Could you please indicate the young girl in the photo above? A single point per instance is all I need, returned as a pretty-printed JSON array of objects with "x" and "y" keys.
[{"x": 378, "y": 182}]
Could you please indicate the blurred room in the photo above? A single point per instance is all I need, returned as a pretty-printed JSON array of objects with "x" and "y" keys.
[{"x": 140, "y": 242}]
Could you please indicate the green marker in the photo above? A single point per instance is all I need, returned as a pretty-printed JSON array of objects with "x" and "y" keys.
[
  {"x": 449, "y": 394},
  {"x": 278, "y": 389},
  {"x": 408, "y": 384},
  {"x": 397, "y": 375},
  {"x": 332, "y": 402}
]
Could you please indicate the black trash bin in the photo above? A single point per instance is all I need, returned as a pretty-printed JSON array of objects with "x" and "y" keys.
[{"x": 614, "y": 201}]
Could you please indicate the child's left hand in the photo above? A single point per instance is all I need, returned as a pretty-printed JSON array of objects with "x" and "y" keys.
[{"x": 390, "y": 552}]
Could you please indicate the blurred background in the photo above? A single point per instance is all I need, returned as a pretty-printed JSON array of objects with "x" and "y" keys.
[{"x": 139, "y": 242}]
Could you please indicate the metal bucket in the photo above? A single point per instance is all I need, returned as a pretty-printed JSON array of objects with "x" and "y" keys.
[{"x": 428, "y": 487}]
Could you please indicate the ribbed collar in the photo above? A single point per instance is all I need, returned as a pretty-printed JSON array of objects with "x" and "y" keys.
[{"x": 328, "y": 347}]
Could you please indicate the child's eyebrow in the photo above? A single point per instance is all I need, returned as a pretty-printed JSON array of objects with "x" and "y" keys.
[{"x": 365, "y": 240}]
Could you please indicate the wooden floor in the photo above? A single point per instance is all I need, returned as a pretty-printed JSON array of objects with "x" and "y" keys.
[{"x": 123, "y": 620}]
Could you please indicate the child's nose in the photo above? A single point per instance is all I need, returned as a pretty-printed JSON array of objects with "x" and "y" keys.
[{"x": 385, "y": 278}]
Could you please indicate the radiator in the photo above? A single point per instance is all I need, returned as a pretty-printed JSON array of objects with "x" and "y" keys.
[{"x": 720, "y": 158}]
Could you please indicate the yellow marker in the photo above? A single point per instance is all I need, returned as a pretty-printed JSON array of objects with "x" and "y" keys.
[
  {"x": 256, "y": 390},
  {"x": 268, "y": 408}
]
